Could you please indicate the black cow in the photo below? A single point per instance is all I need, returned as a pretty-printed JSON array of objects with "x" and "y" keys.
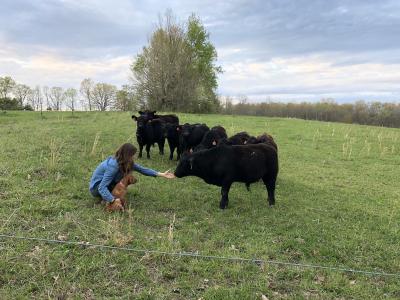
[
  {"x": 211, "y": 138},
  {"x": 226, "y": 164},
  {"x": 151, "y": 115},
  {"x": 172, "y": 133},
  {"x": 148, "y": 133},
  {"x": 191, "y": 135},
  {"x": 151, "y": 128},
  {"x": 240, "y": 138},
  {"x": 263, "y": 138}
]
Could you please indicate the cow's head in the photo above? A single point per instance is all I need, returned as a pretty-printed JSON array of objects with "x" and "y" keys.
[
  {"x": 252, "y": 140},
  {"x": 144, "y": 117},
  {"x": 172, "y": 130},
  {"x": 140, "y": 122},
  {"x": 185, "y": 165},
  {"x": 148, "y": 114},
  {"x": 186, "y": 129}
]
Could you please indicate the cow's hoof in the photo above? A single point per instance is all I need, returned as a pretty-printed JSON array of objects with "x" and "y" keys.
[
  {"x": 223, "y": 206},
  {"x": 271, "y": 205}
]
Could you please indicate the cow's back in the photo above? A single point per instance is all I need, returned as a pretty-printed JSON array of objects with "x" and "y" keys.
[
  {"x": 173, "y": 119},
  {"x": 253, "y": 162}
]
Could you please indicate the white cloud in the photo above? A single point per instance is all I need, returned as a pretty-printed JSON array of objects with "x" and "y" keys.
[
  {"x": 310, "y": 77},
  {"x": 49, "y": 68}
]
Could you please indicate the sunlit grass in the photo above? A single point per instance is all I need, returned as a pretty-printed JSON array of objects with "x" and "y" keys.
[{"x": 337, "y": 204}]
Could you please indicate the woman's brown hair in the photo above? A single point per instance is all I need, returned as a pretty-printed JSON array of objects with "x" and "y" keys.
[{"x": 124, "y": 156}]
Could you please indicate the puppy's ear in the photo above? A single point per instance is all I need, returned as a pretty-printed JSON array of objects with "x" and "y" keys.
[{"x": 134, "y": 117}]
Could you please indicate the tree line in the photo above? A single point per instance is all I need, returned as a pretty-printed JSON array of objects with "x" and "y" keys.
[
  {"x": 360, "y": 112},
  {"x": 90, "y": 96}
]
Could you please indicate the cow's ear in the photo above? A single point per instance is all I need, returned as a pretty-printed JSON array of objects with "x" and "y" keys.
[
  {"x": 134, "y": 117},
  {"x": 140, "y": 112}
]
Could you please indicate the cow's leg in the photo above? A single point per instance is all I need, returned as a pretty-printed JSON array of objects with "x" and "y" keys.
[
  {"x": 148, "y": 149},
  {"x": 161, "y": 146},
  {"x": 140, "y": 150},
  {"x": 178, "y": 152},
  {"x": 224, "y": 195},
  {"x": 171, "y": 151},
  {"x": 270, "y": 185}
]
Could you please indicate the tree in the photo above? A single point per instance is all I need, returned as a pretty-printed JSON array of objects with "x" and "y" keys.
[
  {"x": 163, "y": 67},
  {"x": 57, "y": 97},
  {"x": 6, "y": 86},
  {"x": 21, "y": 92},
  {"x": 9, "y": 104},
  {"x": 46, "y": 93},
  {"x": 37, "y": 99},
  {"x": 86, "y": 91},
  {"x": 103, "y": 95},
  {"x": 204, "y": 56},
  {"x": 125, "y": 99},
  {"x": 70, "y": 99},
  {"x": 176, "y": 71}
]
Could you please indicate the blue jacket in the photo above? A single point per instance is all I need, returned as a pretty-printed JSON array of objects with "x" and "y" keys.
[{"x": 107, "y": 173}]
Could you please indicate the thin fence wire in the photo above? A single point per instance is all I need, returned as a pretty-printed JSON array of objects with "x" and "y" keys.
[{"x": 198, "y": 255}]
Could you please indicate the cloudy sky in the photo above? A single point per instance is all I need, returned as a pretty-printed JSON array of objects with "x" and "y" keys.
[{"x": 289, "y": 50}]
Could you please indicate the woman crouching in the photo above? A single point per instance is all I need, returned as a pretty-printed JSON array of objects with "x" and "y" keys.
[{"x": 116, "y": 170}]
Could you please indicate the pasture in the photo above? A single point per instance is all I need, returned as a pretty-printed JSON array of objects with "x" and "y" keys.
[{"x": 337, "y": 205}]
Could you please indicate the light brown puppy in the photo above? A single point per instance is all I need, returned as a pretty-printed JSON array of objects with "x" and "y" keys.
[{"x": 119, "y": 192}]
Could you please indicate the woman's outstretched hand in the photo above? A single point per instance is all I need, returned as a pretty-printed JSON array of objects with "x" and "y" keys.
[{"x": 166, "y": 174}]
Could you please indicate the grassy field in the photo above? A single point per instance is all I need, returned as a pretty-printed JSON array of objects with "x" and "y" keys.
[{"x": 337, "y": 204}]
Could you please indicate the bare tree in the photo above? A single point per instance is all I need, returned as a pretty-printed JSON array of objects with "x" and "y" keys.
[
  {"x": 6, "y": 86},
  {"x": 38, "y": 96},
  {"x": 46, "y": 94},
  {"x": 70, "y": 97},
  {"x": 104, "y": 95},
  {"x": 57, "y": 97},
  {"x": 86, "y": 91},
  {"x": 21, "y": 92}
]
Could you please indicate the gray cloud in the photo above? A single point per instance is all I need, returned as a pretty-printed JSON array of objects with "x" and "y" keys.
[{"x": 344, "y": 33}]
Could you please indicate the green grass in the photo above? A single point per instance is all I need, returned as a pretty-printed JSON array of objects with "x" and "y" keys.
[{"x": 337, "y": 204}]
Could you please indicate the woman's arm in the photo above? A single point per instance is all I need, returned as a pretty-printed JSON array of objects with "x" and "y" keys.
[
  {"x": 151, "y": 172},
  {"x": 105, "y": 182}
]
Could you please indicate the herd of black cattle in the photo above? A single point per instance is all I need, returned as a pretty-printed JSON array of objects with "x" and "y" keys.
[{"x": 210, "y": 154}]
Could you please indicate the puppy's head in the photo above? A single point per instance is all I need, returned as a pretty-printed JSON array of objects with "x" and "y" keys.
[{"x": 130, "y": 179}]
